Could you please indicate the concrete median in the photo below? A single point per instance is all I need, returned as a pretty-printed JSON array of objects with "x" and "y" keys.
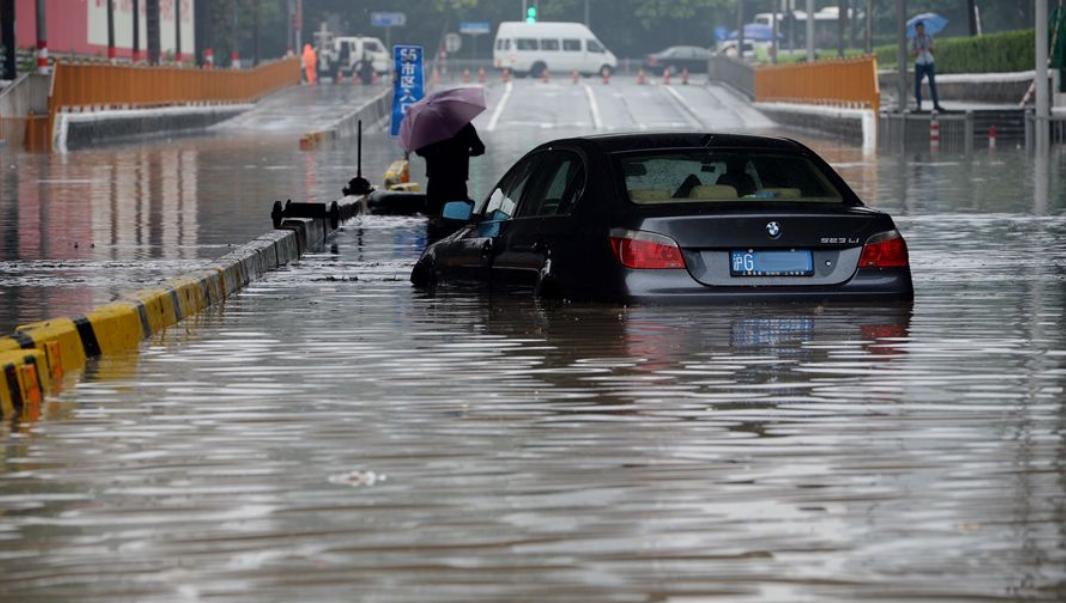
[
  {"x": 370, "y": 112},
  {"x": 36, "y": 356}
]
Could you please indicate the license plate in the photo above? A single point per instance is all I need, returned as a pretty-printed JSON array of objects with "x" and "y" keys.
[{"x": 791, "y": 262}]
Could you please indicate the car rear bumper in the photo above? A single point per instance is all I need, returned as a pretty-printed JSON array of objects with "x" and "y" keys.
[{"x": 677, "y": 286}]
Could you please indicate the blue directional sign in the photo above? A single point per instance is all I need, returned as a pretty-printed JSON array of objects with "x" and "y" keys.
[
  {"x": 475, "y": 28},
  {"x": 410, "y": 84},
  {"x": 388, "y": 19}
]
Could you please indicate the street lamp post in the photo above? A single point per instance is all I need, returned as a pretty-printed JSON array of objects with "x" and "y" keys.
[
  {"x": 901, "y": 53},
  {"x": 1043, "y": 142},
  {"x": 810, "y": 31}
]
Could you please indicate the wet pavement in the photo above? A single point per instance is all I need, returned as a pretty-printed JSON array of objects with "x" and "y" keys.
[{"x": 333, "y": 431}]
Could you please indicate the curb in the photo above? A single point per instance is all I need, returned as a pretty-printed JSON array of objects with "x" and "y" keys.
[
  {"x": 372, "y": 111},
  {"x": 35, "y": 358}
]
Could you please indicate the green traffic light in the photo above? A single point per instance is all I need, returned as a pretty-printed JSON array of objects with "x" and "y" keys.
[{"x": 531, "y": 14}]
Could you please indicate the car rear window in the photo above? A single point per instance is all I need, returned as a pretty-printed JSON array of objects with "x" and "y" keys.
[{"x": 709, "y": 176}]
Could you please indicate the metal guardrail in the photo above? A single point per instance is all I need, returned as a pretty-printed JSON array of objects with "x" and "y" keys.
[
  {"x": 900, "y": 131},
  {"x": 844, "y": 83},
  {"x": 737, "y": 74},
  {"x": 1056, "y": 124}
]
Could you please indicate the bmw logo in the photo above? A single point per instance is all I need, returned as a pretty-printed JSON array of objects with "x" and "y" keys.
[{"x": 773, "y": 229}]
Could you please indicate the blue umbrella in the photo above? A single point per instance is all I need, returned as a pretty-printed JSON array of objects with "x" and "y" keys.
[
  {"x": 756, "y": 32},
  {"x": 934, "y": 24}
]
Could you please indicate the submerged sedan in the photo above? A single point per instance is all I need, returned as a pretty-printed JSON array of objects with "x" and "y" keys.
[{"x": 674, "y": 217}]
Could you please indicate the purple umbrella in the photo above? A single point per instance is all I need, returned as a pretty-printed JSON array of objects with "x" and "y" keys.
[{"x": 440, "y": 116}]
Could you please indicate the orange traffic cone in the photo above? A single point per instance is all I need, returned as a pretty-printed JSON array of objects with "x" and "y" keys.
[
  {"x": 575, "y": 76},
  {"x": 684, "y": 76},
  {"x": 466, "y": 76},
  {"x": 606, "y": 73},
  {"x": 641, "y": 78},
  {"x": 544, "y": 76},
  {"x": 666, "y": 76}
]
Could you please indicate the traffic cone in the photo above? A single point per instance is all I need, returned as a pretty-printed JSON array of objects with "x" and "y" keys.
[
  {"x": 606, "y": 75},
  {"x": 435, "y": 78},
  {"x": 481, "y": 75},
  {"x": 666, "y": 76},
  {"x": 466, "y": 76},
  {"x": 575, "y": 76},
  {"x": 992, "y": 137},
  {"x": 544, "y": 76},
  {"x": 684, "y": 76},
  {"x": 641, "y": 78}
]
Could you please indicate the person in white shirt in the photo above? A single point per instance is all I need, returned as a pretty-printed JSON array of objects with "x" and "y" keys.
[{"x": 922, "y": 49}]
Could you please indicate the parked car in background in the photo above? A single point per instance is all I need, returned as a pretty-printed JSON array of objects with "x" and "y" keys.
[
  {"x": 730, "y": 49},
  {"x": 693, "y": 58},
  {"x": 532, "y": 48},
  {"x": 357, "y": 47},
  {"x": 673, "y": 217}
]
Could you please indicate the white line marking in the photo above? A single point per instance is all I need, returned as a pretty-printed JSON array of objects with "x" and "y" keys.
[
  {"x": 686, "y": 109},
  {"x": 499, "y": 107},
  {"x": 594, "y": 108}
]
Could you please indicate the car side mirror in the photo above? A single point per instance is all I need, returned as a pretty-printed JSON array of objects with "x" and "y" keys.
[{"x": 457, "y": 211}]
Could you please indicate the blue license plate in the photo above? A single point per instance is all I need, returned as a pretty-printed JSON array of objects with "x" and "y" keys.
[{"x": 790, "y": 262}]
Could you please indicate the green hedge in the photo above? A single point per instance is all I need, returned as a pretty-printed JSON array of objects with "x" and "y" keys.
[{"x": 993, "y": 53}]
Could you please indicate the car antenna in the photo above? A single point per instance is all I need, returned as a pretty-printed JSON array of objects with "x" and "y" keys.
[{"x": 358, "y": 185}]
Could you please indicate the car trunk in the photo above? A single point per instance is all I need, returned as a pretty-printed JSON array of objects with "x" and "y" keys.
[{"x": 832, "y": 234}]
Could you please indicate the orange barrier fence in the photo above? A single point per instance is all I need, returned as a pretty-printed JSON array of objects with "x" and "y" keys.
[
  {"x": 840, "y": 83},
  {"x": 88, "y": 85}
]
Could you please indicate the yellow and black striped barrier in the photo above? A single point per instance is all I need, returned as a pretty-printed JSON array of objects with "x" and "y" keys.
[{"x": 35, "y": 358}]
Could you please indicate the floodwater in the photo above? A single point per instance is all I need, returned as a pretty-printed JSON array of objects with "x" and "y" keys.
[{"x": 333, "y": 434}]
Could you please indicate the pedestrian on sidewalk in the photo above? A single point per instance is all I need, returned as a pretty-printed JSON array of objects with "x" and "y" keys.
[{"x": 922, "y": 49}]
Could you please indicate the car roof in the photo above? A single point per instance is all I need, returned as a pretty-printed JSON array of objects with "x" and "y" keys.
[{"x": 614, "y": 143}]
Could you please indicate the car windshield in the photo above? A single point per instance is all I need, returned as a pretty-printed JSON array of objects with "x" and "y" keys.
[{"x": 695, "y": 176}]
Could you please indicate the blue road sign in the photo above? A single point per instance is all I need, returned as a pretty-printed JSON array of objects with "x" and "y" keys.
[
  {"x": 388, "y": 19},
  {"x": 410, "y": 84},
  {"x": 475, "y": 28}
]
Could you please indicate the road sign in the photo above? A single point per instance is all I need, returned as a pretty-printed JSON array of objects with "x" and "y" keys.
[
  {"x": 410, "y": 84},
  {"x": 452, "y": 43},
  {"x": 475, "y": 28},
  {"x": 388, "y": 19}
]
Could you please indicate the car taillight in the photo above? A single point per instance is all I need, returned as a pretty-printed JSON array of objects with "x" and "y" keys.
[
  {"x": 645, "y": 250},
  {"x": 884, "y": 250}
]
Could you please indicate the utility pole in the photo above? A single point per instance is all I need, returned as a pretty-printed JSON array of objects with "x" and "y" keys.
[
  {"x": 42, "y": 39},
  {"x": 869, "y": 27},
  {"x": 177, "y": 31},
  {"x": 7, "y": 37},
  {"x": 971, "y": 16},
  {"x": 152, "y": 13},
  {"x": 740, "y": 30},
  {"x": 901, "y": 53},
  {"x": 255, "y": 33},
  {"x": 234, "y": 54},
  {"x": 588, "y": 22},
  {"x": 810, "y": 32},
  {"x": 1042, "y": 125},
  {"x": 136, "y": 31},
  {"x": 842, "y": 26},
  {"x": 111, "y": 30}
]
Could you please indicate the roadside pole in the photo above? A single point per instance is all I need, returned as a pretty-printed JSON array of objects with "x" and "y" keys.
[
  {"x": 740, "y": 30},
  {"x": 901, "y": 53},
  {"x": 810, "y": 32},
  {"x": 7, "y": 38},
  {"x": 42, "y": 39},
  {"x": 177, "y": 32},
  {"x": 1041, "y": 123},
  {"x": 111, "y": 30},
  {"x": 136, "y": 31}
]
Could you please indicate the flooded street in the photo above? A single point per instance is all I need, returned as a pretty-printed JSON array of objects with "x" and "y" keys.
[{"x": 332, "y": 433}]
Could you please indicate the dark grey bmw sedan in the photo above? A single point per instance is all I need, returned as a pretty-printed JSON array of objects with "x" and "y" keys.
[{"x": 673, "y": 217}]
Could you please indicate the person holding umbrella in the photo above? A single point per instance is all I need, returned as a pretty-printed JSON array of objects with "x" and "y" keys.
[
  {"x": 922, "y": 49},
  {"x": 438, "y": 129}
]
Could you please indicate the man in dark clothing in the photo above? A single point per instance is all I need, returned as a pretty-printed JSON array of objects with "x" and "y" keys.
[{"x": 448, "y": 168}]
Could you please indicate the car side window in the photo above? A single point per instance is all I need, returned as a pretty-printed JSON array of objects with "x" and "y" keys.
[
  {"x": 594, "y": 46},
  {"x": 526, "y": 44},
  {"x": 572, "y": 45},
  {"x": 504, "y": 202},
  {"x": 551, "y": 44},
  {"x": 555, "y": 185}
]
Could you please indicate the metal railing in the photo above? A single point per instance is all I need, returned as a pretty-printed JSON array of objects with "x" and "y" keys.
[
  {"x": 92, "y": 85},
  {"x": 737, "y": 74},
  {"x": 1056, "y": 124},
  {"x": 844, "y": 83},
  {"x": 953, "y": 132}
]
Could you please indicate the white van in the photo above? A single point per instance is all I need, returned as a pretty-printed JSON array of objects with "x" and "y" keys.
[
  {"x": 358, "y": 45},
  {"x": 530, "y": 48}
]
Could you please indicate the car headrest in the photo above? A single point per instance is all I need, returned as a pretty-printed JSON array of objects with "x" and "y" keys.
[
  {"x": 645, "y": 195},
  {"x": 713, "y": 192}
]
